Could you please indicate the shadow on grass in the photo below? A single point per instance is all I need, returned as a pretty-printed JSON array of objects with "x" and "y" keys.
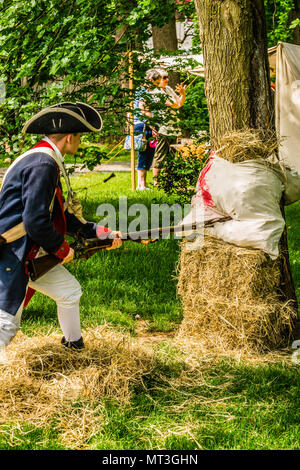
[{"x": 219, "y": 405}]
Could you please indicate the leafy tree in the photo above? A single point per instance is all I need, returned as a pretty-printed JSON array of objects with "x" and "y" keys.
[
  {"x": 58, "y": 50},
  {"x": 281, "y": 20},
  {"x": 55, "y": 50}
]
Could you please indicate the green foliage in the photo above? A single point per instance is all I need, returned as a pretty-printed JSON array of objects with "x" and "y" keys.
[
  {"x": 92, "y": 155},
  {"x": 53, "y": 51},
  {"x": 279, "y": 21},
  {"x": 181, "y": 171},
  {"x": 194, "y": 113}
]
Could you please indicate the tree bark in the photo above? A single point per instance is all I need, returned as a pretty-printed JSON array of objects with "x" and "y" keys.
[
  {"x": 165, "y": 38},
  {"x": 233, "y": 36}
]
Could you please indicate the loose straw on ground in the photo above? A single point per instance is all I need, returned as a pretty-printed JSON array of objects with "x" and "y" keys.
[{"x": 42, "y": 379}]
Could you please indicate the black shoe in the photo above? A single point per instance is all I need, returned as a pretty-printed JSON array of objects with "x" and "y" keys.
[{"x": 79, "y": 344}]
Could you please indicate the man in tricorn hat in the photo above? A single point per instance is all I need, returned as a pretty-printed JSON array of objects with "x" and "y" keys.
[{"x": 34, "y": 217}]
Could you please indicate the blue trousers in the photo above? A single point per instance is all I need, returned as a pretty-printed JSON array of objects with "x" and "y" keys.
[{"x": 145, "y": 157}]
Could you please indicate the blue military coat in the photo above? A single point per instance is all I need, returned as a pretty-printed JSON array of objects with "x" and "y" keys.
[{"x": 26, "y": 195}]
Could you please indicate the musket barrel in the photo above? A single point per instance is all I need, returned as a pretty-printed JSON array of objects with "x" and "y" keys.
[
  {"x": 158, "y": 232},
  {"x": 150, "y": 233}
]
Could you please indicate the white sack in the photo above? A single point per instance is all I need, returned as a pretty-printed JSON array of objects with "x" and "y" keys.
[
  {"x": 252, "y": 233},
  {"x": 250, "y": 193},
  {"x": 246, "y": 190}
]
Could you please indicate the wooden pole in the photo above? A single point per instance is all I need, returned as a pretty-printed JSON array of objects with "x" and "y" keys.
[{"x": 131, "y": 120}]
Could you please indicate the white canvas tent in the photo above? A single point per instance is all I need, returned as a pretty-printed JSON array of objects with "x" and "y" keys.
[{"x": 284, "y": 62}]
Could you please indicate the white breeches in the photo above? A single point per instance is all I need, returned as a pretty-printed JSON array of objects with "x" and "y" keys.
[{"x": 60, "y": 285}]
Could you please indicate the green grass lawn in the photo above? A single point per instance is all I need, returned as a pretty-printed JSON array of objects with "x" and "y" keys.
[
  {"x": 216, "y": 403},
  {"x": 293, "y": 234}
]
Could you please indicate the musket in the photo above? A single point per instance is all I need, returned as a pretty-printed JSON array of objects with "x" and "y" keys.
[{"x": 84, "y": 248}]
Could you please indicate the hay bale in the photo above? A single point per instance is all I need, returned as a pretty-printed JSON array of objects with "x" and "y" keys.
[
  {"x": 231, "y": 299},
  {"x": 247, "y": 144}
]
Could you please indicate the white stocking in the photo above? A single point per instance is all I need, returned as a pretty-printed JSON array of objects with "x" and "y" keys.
[
  {"x": 69, "y": 320},
  {"x": 61, "y": 286}
]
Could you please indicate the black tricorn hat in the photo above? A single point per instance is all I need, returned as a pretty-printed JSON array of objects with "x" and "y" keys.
[{"x": 64, "y": 118}]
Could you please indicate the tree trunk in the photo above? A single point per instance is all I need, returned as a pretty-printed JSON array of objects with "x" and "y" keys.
[
  {"x": 237, "y": 85},
  {"x": 165, "y": 39}
]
